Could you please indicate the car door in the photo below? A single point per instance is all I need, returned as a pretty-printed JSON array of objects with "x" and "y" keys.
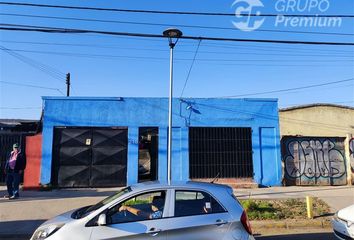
[
  {"x": 139, "y": 217},
  {"x": 197, "y": 216}
]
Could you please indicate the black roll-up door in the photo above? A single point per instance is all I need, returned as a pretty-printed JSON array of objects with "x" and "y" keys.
[
  {"x": 225, "y": 152},
  {"x": 89, "y": 157}
]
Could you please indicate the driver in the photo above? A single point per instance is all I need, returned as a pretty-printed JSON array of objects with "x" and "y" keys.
[{"x": 156, "y": 209}]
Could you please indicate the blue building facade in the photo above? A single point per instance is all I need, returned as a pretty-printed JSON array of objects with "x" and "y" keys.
[{"x": 258, "y": 115}]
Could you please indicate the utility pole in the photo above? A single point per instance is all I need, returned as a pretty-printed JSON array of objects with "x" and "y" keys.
[{"x": 68, "y": 84}]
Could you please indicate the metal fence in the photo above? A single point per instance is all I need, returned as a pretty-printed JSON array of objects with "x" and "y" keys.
[{"x": 225, "y": 152}]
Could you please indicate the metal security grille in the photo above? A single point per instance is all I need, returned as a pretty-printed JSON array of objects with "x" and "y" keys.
[
  {"x": 225, "y": 151},
  {"x": 89, "y": 157}
]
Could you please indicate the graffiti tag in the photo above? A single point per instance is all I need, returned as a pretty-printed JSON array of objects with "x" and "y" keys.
[
  {"x": 314, "y": 158},
  {"x": 351, "y": 153}
]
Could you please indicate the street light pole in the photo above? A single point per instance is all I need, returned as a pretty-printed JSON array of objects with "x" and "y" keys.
[
  {"x": 171, "y": 34},
  {"x": 169, "y": 152}
]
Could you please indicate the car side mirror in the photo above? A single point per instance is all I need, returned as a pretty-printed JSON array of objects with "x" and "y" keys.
[{"x": 102, "y": 220}]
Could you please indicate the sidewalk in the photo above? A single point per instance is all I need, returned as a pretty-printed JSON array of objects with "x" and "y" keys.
[
  {"x": 337, "y": 197},
  {"x": 22, "y": 216}
]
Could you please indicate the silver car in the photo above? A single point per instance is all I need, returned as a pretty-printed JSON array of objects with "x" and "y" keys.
[{"x": 187, "y": 211}]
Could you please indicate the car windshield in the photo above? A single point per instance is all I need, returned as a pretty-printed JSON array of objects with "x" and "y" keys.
[{"x": 82, "y": 212}]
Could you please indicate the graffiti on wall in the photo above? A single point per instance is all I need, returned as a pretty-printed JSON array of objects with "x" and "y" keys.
[
  {"x": 314, "y": 158},
  {"x": 351, "y": 153}
]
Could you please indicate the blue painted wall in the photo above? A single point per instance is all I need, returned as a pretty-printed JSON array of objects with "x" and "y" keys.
[{"x": 259, "y": 114}]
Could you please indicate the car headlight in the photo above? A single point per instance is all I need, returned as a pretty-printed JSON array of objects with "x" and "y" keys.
[{"x": 43, "y": 233}]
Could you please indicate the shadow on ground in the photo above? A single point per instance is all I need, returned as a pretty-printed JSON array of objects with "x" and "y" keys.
[
  {"x": 59, "y": 194},
  {"x": 301, "y": 236},
  {"x": 18, "y": 229}
]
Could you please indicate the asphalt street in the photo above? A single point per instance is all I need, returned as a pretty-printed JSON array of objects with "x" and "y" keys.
[{"x": 300, "y": 236}]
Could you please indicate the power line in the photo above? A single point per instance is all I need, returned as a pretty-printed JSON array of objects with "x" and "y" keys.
[
  {"x": 190, "y": 68},
  {"x": 275, "y": 118},
  {"x": 32, "y": 86},
  {"x": 168, "y": 12},
  {"x": 29, "y": 28},
  {"x": 169, "y": 24},
  {"x": 20, "y": 108},
  {"x": 178, "y": 59},
  {"x": 40, "y": 66},
  {"x": 269, "y": 48},
  {"x": 289, "y": 89},
  {"x": 187, "y": 51}
]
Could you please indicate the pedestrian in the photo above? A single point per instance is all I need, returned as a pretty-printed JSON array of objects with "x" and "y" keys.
[{"x": 15, "y": 164}]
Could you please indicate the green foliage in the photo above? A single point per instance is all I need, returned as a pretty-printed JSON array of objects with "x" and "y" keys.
[
  {"x": 282, "y": 209},
  {"x": 133, "y": 202}
]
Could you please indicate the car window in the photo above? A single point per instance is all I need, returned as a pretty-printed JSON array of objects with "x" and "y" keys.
[
  {"x": 82, "y": 212},
  {"x": 138, "y": 208},
  {"x": 189, "y": 203}
]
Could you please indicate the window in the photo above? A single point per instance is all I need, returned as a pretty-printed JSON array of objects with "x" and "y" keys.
[
  {"x": 138, "y": 208},
  {"x": 83, "y": 212},
  {"x": 189, "y": 203}
]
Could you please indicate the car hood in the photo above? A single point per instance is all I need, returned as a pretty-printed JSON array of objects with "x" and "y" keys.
[
  {"x": 347, "y": 213},
  {"x": 60, "y": 219}
]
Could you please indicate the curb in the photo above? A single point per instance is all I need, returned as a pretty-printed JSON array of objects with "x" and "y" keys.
[{"x": 291, "y": 224}]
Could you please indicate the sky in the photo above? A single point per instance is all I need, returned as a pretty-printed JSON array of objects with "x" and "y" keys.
[{"x": 103, "y": 65}]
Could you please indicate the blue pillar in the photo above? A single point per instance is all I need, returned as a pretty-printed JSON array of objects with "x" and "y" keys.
[
  {"x": 271, "y": 165},
  {"x": 185, "y": 153},
  {"x": 256, "y": 156},
  {"x": 162, "y": 161},
  {"x": 176, "y": 165},
  {"x": 133, "y": 155},
  {"x": 47, "y": 146},
  {"x": 180, "y": 156}
]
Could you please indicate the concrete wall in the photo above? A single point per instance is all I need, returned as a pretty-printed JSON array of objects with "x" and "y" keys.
[
  {"x": 320, "y": 138},
  {"x": 319, "y": 121},
  {"x": 259, "y": 114}
]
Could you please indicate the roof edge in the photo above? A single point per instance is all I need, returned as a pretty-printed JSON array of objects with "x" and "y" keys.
[{"x": 315, "y": 105}]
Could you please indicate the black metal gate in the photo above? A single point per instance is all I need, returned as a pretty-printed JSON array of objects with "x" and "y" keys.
[
  {"x": 90, "y": 157},
  {"x": 222, "y": 151}
]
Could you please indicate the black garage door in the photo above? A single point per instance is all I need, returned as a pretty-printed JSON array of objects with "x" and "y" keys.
[
  {"x": 225, "y": 152},
  {"x": 89, "y": 157}
]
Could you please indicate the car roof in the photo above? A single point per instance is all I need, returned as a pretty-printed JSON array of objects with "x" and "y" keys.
[{"x": 183, "y": 184}]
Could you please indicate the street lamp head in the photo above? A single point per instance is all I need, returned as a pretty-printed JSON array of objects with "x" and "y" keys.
[{"x": 172, "y": 33}]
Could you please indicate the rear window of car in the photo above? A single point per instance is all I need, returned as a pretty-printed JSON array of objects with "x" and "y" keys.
[{"x": 189, "y": 203}]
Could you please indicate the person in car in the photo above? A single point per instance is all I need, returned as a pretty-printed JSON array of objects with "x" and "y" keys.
[{"x": 156, "y": 209}]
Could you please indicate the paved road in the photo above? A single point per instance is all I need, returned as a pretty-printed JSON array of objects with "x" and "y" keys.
[
  {"x": 300, "y": 236},
  {"x": 304, "y": 236},
  {"x": 25, "y": 214}
]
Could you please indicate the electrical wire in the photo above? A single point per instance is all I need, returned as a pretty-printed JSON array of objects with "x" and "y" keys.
[
  {"x": 190, "y": 68},
  {"x": 290, "y": 89},
  {"x": 275, "y": 118},
  {"x": 33, "y": 86},
  {"x": 40, "y": 66},
  {"x": 186, "y": 51},
  {"x": 126, "y": 57},
  {"x": 168, "y": 12},
  {"x": 19, "y": 108},
  {"x": 168, "y": 24},
  {"x": 16, "y": 27}
]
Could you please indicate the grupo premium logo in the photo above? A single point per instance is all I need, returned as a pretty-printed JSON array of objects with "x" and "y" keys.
[
  {"x": 249, "y": 18},
  {"x": 243, "y": 12}
]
